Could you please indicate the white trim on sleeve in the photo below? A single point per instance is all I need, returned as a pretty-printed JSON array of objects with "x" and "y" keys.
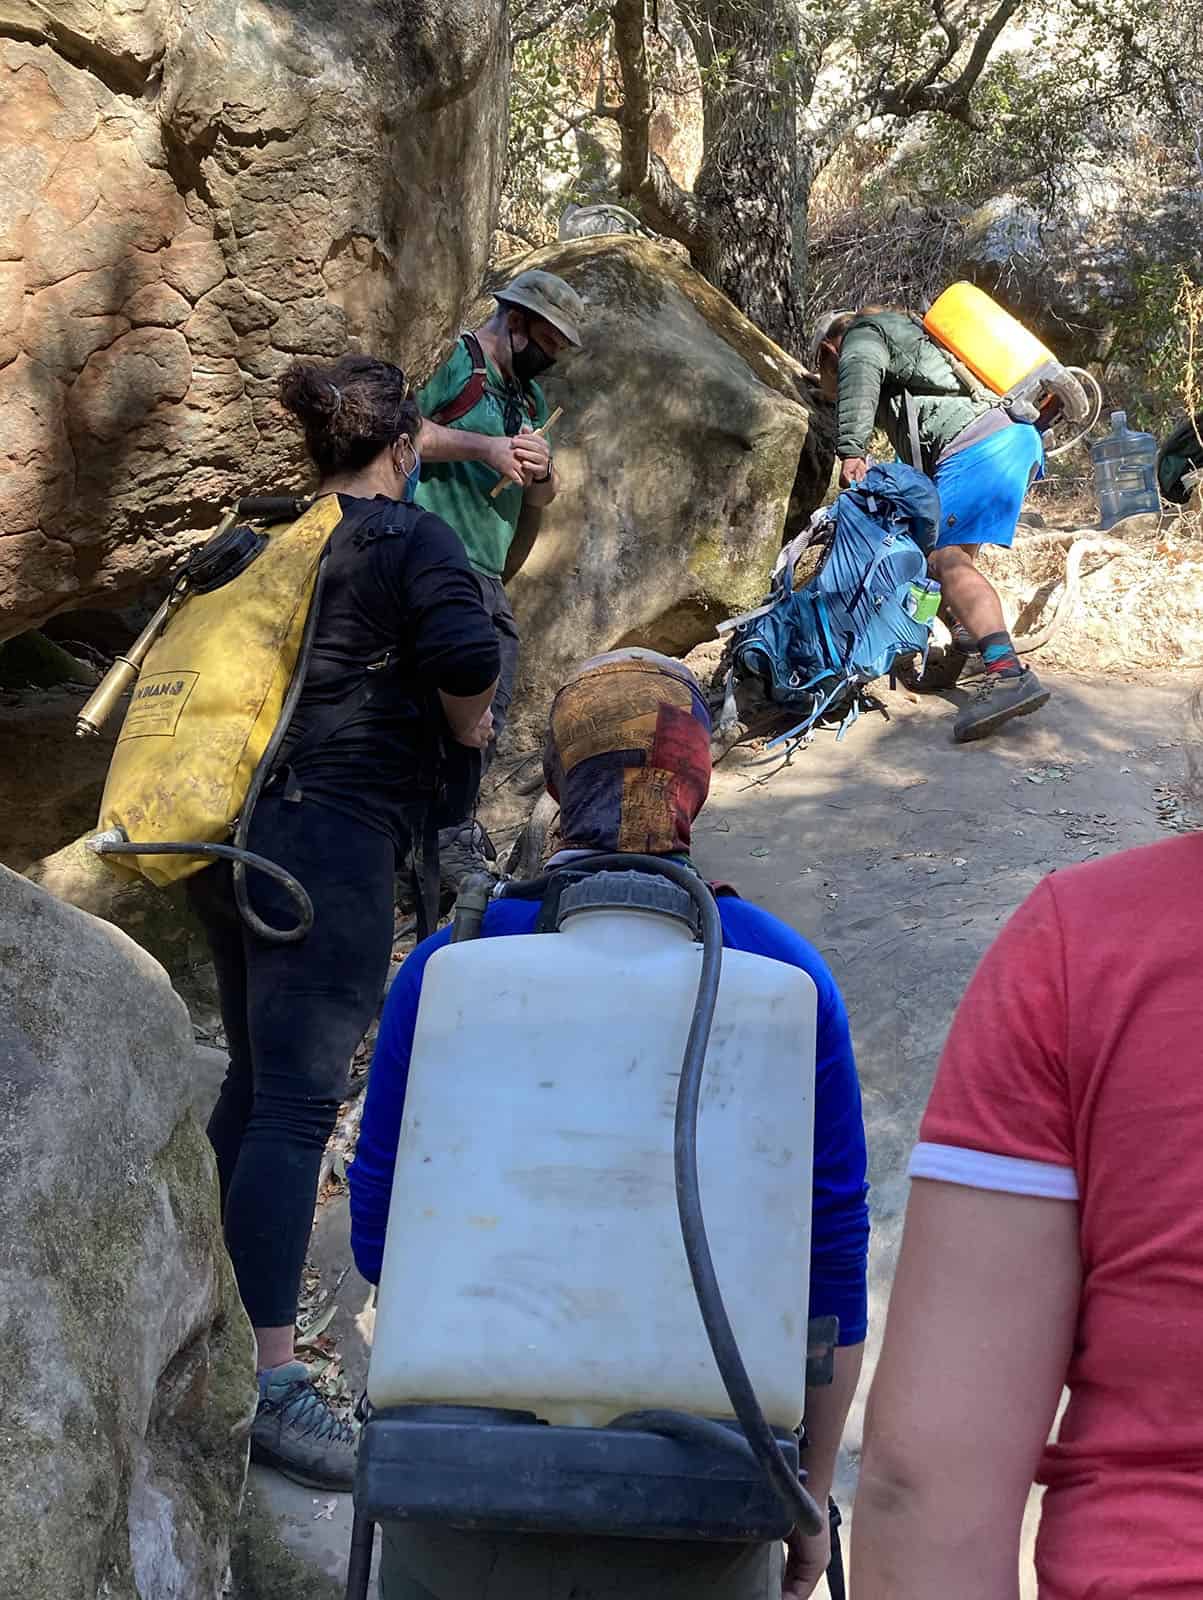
[{"x": 978, "y": 1169}]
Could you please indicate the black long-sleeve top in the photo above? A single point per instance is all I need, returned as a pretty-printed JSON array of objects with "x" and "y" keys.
[{"x": 398, "y": 589}]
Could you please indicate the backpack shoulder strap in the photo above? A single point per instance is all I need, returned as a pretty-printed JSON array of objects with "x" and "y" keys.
[
  {"x": 460, "y": 404},
  {"x": 549, "y": 908},
  {"x": 972, "y": 385},
  {"x": 912, "y": 428},
  {"x": 332, "y": 717}
]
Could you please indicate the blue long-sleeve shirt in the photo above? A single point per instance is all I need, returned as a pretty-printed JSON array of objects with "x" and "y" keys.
[{"x": 840, "y": 1221}]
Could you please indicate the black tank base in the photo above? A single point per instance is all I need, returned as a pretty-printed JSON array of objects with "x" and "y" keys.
[{"x": 506, "y": 1472}]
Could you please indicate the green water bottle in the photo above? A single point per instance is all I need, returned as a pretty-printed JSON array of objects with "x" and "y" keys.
[{"x": 924, "y": 600}]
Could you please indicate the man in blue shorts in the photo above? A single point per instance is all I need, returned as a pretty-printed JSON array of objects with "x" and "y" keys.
[
  {"x": 884, "y": 371},
  {"x": 628, "y": 757}
]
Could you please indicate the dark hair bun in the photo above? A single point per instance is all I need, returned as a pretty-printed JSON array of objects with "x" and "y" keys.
[
  {"x": 351, "y": 409},
  {"x": 309, "y": 394}
]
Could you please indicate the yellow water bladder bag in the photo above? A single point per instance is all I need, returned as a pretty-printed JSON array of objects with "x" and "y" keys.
[
  {"x": 1004, "y": 355},
  {"x": 208, "y": 699}
]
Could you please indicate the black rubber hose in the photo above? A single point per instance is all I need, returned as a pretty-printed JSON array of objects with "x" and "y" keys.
[
  {"x": 685, "y": 1426},
  {"x": 808, "y": 1515},
  {"x": 267, "y": 761},
  {"x": 220, "y": 852}
]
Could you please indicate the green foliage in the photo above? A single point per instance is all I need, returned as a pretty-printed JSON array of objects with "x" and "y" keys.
[
  {"x": 1154, "y": 352},
  {"x": 552, "y": 86}
]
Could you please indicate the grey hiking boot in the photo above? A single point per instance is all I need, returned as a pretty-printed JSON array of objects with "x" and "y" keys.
[
  {"x": 296, "y": 1432},
  {"x": 463, "y": 850},
  {"x": 943, "y": 667},
  {"x": 999, "y": 698}
]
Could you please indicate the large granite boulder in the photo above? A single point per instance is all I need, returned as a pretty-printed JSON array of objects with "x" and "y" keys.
[
  {"x": 160, "y": 920},
  {"x": 687, "y": 438},
  {"x": 190, "y": 195},
  {"x": 128, "y": 1360}
]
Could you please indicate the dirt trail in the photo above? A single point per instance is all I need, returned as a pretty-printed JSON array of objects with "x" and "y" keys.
[{"x": 900, "y": 854}]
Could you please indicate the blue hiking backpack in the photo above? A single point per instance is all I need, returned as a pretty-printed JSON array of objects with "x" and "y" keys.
[{"x": 815, "y": 649}]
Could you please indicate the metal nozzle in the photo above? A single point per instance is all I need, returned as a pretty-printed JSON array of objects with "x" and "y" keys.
[
  {"x": 99, "y": 843},
  {"x": 102, "y": 702}
]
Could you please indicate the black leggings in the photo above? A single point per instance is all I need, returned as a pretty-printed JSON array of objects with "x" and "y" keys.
[{"x": 293, "y": 1016}]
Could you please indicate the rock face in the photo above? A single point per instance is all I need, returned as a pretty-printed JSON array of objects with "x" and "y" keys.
[
  {"x": 129, "y": 1361},
  {"x": 190, "y": 195},
  {"x": 159, "y": 919},
  {"x": 1097, "y": 274},
  {"x": 687, "y": 436}
]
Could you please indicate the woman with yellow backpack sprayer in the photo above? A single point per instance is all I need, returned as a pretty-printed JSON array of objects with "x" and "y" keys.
[{"x": 402, "y": 655}]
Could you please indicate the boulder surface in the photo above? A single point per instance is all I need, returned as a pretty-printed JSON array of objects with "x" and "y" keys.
[
  {"x": 687, "y": 438},
  {"x": 193, "y": 192},
  {"x": 128, "y": 1360}
]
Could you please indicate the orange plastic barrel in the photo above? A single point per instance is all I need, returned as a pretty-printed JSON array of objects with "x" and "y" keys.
[{"x": 993, "y": 344}]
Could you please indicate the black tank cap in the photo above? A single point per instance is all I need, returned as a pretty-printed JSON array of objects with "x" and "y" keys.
[{"x": 222, "y": 558}]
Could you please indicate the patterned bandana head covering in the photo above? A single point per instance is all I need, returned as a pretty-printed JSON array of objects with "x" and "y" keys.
[{"x": 628, "y": 754}]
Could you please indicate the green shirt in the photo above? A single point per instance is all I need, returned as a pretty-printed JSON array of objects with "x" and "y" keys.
[{"x": 458, "y": 491}]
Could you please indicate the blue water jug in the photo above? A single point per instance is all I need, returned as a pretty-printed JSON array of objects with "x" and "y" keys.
[{"x": 1125, "y": 472}]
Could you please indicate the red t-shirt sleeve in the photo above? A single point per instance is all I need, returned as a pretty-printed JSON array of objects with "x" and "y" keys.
[{"x": 1002, "y": 1083}]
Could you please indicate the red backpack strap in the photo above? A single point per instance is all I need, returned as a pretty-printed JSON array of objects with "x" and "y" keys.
[{"x": 460, "y": 404}]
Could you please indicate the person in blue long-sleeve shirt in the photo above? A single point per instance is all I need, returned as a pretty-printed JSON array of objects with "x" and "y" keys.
[{"x": 646, "y": 719}]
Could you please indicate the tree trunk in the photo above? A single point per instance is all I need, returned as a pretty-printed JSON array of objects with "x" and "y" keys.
[{"x": 746, "y": 189}]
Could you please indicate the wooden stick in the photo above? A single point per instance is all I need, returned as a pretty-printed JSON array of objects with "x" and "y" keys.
[{"x": 504, "y": 483}]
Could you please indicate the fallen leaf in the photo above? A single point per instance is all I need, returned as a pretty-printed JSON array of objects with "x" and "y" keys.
[{"x": 309, "y": 1334}]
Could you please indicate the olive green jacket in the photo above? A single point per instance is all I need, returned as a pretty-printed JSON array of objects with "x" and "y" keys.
[{"x": 885, "y": 356}]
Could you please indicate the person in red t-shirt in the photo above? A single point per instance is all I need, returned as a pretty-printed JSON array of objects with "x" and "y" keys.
[{"x": 1054, "y": 1237}]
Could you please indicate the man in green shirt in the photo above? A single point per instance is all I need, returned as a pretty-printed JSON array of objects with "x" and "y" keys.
[{"x": 481, "y": 410}]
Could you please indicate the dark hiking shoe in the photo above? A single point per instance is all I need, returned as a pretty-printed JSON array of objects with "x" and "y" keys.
[
  {"x": 963, "y": 640},
  {"x": 296, "y": 1432},
  {"x": 945, "y": 665},
  {"x": 464, "y": 850},
  {"x": 999, "y": 698}
]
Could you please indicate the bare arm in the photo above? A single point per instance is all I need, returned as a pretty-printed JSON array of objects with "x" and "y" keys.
[
  {"x": 542, "y": 494},
  {"x": 437, "y": 443},
  {"x": 826, "y": 1414},
  {"x": 466, "y": 715},
  {"x": 978, "y": 1337}
]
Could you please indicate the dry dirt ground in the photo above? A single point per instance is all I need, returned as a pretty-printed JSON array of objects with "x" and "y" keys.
[{"x": 898, "y": 854}]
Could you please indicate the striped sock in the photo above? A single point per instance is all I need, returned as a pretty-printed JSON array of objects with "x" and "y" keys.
[{"x": 999, "y": 655}]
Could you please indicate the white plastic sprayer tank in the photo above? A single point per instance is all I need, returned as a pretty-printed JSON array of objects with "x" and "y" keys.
[{"x": 534, "y": 1258}]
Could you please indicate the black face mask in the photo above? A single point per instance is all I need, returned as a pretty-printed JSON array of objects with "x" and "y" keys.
[{"x": 531, "y": 360}]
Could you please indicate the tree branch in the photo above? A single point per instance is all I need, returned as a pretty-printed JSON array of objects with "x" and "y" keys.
[
  {"x": 952, "y": 99},
  {"x": 536, "y": 18},
  {"x": 666, "y": 207},
  {"x": 952, "y": 43}
]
